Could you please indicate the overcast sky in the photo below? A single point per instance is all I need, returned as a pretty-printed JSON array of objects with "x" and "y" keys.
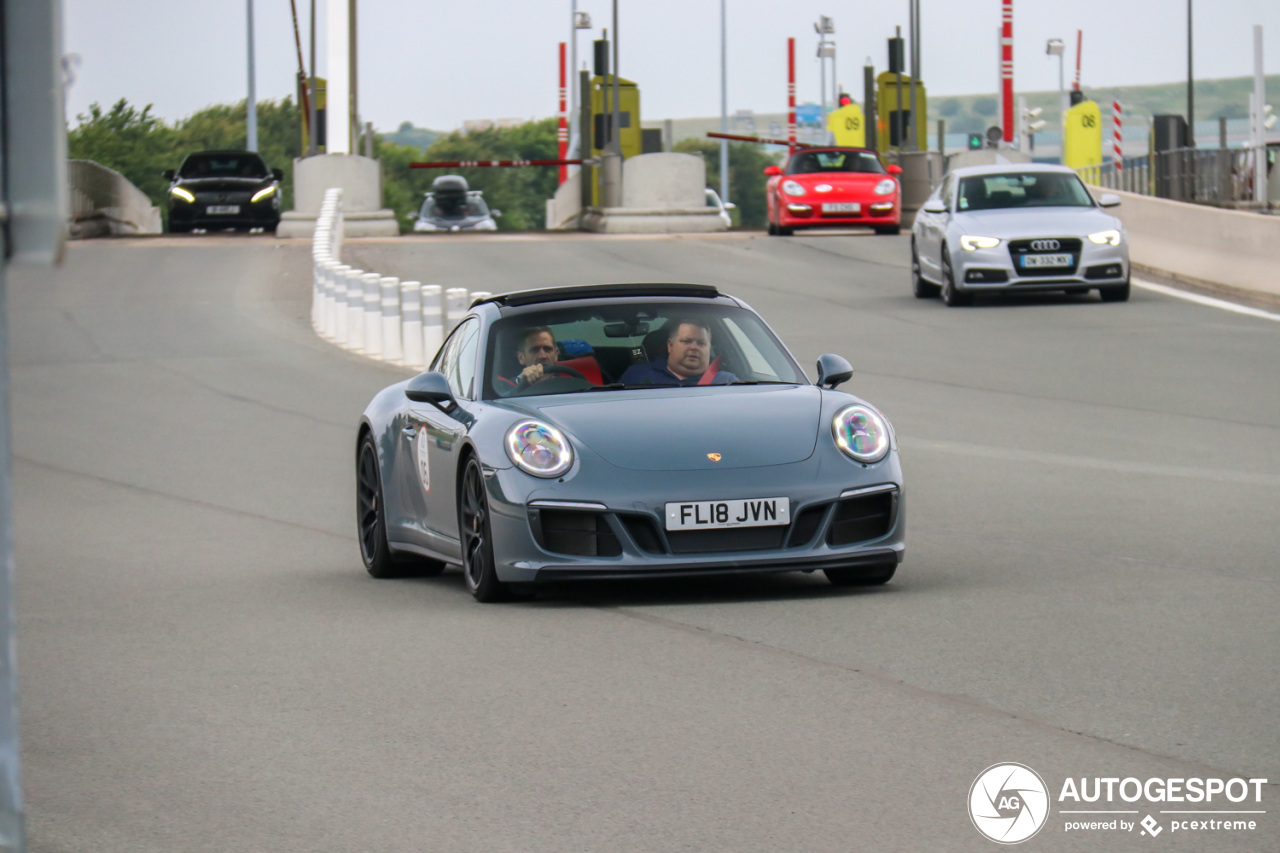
[{"x": 437, "y": 63}]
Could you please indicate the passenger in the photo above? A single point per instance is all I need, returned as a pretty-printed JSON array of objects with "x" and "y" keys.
[{"x": 687, "y": 362}]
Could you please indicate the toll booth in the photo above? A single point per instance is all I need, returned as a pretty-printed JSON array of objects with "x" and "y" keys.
[
  {"x": 321, "y": 88},
  {"x": 848, "y": 126},
  {"x": 1082, "y": 139},
  {"x": 630, "y": 136},
  {"x": 893, "y": 121}
]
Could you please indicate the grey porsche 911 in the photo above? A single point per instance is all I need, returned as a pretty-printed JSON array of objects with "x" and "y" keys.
[{"x": 624, "y": 431}]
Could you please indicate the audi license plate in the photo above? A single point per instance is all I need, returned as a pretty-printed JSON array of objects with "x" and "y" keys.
[
  {"x": 712, "y": 515},
  {"x": 223, "y": 208},
  {"x": 842, "y": 207},
  {"x": 1046, "y": 260}
]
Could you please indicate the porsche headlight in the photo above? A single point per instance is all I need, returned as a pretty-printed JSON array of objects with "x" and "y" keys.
[
  {"x": 182, "y": 194},
  {"x": 539, "y": 449},
  {"x": 886, "y": 186},
  {"x": 792, "y": 188},
  {"x": 861, "y": 433},
  {"x": 970, "y": 243},
  {"x": 262, "y": 193},
  {"x": 1110, "y": 236}
]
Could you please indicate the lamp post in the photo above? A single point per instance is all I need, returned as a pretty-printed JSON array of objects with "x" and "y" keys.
[
  {"x": 251, "y": 102},
  {"x": 824, "y": 27},
  {"x": 580, "y": 21},
  {"x": 724, "y": 106},
  {"x": 1057, "y": 47}
]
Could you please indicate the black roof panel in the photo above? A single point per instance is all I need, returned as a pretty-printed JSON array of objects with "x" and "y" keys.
[{"x": 597, "y": 291}]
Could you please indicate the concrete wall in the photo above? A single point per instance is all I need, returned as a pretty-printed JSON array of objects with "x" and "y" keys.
[
  {"x": 664, "y": 181},
  {"x": 359, "y": 177},
  {"x": 1223, "y": 249},
  {"x": 103, "y": 202}
]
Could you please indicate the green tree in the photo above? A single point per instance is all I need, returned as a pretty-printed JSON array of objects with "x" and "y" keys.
[
  {"x": 747, "y": 162},
  {"x": 984, "y": 106},
  {"x": 134, "y": 143},
  {"x": 949, "y": 107}
]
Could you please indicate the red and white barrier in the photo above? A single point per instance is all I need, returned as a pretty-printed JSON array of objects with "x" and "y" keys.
[{"x": 1116, "y": 122}]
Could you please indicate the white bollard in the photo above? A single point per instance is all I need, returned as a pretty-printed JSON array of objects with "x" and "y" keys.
[
  {"x": 372, "y": 314},
  {"x": 411, "y": 324},
  {"x": 432, "y": 321},
  {"x": 355, "y": 310},
  {"x": 340, "y": 304},
  {"x": 455, "y": 306},
  {"x": 392, "y": 347},
  {"x": 326, "y": 299}
]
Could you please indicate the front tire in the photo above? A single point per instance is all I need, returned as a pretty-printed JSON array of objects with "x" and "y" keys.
[
  {"x": 921, "y": 288},
  {"x": 952, "y": 297},
  {"x": 1115, "y": 293},
  {"x": 370, "y": 517},
  {"x": 861, "y": 575},
  {"x": 890, "y": 230},
  {"x": 478, "y": 566}
]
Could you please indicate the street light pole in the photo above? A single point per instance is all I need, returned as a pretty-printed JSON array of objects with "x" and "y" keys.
[
  {"x": 1191, "y": 100},
  {"x": 251, "y": 104},
  {"x": 1056, "y": 47},
  {"x": 724, "y": 106}
]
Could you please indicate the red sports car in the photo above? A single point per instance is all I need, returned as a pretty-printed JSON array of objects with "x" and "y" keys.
[{"x": 826, "y": 187}]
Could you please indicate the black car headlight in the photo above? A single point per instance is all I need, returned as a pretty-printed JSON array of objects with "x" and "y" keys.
[
  {"x": 861, "y": 432},
  {"x": 539, "y": 449}
]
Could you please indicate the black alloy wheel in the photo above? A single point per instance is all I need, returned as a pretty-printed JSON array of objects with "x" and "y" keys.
[
  {"x": 478, "y": 568},
  {"x": 890, "y": 230},
  {"x": 921, "y": 288},
  {"x": 371, "y": 523},
  {"x": 952, "y": 297},
  {"x": 1115, "y": 293}
]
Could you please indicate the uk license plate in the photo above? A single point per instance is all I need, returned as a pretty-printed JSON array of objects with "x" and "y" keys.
[
  {"x": 842, "y": 207},
  {"x": 1046, "y": 260},
  {"x": 223, "y": 208},
  {"x": 714, "y": 515}
]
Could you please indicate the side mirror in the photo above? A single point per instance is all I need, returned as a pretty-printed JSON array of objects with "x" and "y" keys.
[
  {"x": 934, "y": 205},
  {"x": 278, "y": 174},
  {"x": 894, "y": 169},
  {"x": 728, "y": 205},
  {"x": 495, "y": 213},
  {"x": 168, "y": 174},
  {"x": 832, "y": 370},
  {"x": 431, "y": 388},
  {"x": 772, "y": 170},
  {"x": 1109, "y": 200}
]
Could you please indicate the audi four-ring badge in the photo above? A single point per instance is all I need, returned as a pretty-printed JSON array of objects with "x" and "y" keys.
[
  {"x": 1017, "y": 227},
  {"x": 624, "y": 431}
]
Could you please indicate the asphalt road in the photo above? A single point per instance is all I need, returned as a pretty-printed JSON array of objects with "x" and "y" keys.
[{"x": 1090, "y": 587}]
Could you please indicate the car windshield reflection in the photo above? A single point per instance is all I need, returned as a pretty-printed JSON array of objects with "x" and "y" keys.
[{"x": 1021, "y": 190}]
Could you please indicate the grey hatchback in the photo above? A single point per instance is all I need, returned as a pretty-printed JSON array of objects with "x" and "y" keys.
[{"x": 622, "y": 431}]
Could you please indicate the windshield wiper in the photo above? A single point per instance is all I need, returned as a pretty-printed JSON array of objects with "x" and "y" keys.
[{"x": 762, "y": 382}]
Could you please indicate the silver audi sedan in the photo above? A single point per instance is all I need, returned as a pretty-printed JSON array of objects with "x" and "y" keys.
[{"x": 1017, "y": 227}]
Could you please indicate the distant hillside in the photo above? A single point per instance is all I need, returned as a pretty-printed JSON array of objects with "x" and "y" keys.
[
  {"x": 418, "y": 137},
  {"x": 1227, "y": 98}
]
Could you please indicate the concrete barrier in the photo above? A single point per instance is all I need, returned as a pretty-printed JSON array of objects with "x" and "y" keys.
[
  {"x": 103, "y": 202},
  {"x": 1224, "y": 251}
]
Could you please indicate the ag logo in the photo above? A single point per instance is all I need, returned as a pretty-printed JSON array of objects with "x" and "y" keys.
[{"x": 1008, "y": 803}]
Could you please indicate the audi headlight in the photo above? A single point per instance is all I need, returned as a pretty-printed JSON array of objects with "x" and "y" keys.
[
  {"x": 539, "y": 449},
  {"x": 862, "y": 433},
  {"x": 792, "y": 188},
  {"x": 181, "y": 193},
  {"x": 262, "y": 193},
  {"x": 1110, "y": 236},
  {"x": 970, "y": 243},
  {"x": 886, "y": 186}
]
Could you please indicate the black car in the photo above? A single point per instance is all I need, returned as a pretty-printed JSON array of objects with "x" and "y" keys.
[{"x": 224, "y": 189}]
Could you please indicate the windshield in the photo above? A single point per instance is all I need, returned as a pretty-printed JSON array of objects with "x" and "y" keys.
[
  {"x": 806, "y": 162},
  {"x": 633, "y": 346},
  {"x": 1022, "y": 189},
  {"x": 453, "y": 206},
  {"x": 223, "y": 166}
]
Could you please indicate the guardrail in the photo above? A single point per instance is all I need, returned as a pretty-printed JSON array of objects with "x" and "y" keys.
[
  {"x": 1223, "y": 177},
  {"x": 381, "y": 317}
]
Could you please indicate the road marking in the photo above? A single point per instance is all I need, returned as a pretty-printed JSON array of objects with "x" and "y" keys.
[{"x": 1205, "y": 300}]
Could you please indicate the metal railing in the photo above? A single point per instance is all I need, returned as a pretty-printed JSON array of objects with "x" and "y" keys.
[{"x": 1221, "y": 177}]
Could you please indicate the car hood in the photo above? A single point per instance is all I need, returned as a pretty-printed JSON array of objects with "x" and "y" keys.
[
  {"x": 1035, "y": 222},
  {"x": 222, "y": 184},
  {"x": 675, "y": 429}
]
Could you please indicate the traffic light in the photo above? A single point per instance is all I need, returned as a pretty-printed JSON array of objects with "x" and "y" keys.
[
  {"x": 1268, "y": 120},
  {"x": 1031, "y": 121},
  {"x": 845, "y": 99},
  {"x": 975, "y": 142}
]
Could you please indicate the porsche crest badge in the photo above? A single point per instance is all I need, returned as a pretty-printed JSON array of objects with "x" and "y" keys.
[{"x": 714, "y": 457}]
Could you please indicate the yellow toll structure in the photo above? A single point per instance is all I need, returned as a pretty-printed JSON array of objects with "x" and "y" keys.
[
  {"x": 849, "y": 126},
  {"x": 629, "y": 135},
  {"x": 887, "y": 108},
  {"x": 1082, "y": 139}
]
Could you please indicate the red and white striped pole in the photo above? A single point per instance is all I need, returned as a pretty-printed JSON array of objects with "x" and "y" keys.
[
  {"x": 791, "y": 96},
  {"x": 1079, "y": 45},
  {"x": 563, "y": 133},
  {"x": 1006, "y": 67},
  {"x": 1115, "y": 114}
]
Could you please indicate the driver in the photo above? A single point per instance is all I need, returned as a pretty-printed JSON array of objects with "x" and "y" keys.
[
  {"x": 538, "y": 349},
  {"x": 688, "y": 360}
]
